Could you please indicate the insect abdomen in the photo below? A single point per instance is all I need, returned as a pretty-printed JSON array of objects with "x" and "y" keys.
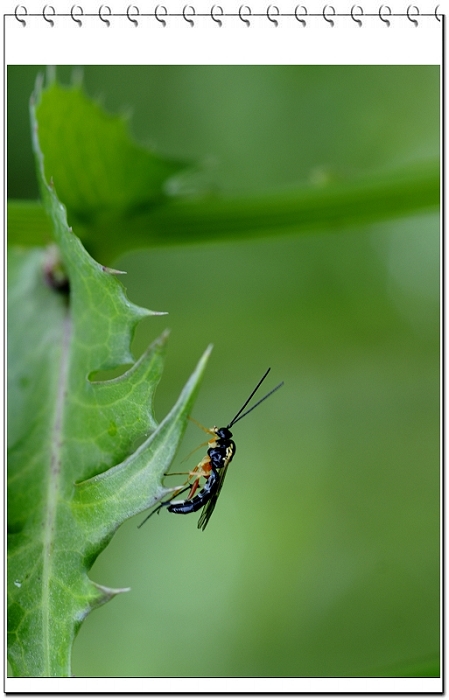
[{"x": 198, "y": 501}]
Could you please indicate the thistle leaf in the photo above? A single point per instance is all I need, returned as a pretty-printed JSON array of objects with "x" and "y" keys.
[{"x": 74, "y": 473}]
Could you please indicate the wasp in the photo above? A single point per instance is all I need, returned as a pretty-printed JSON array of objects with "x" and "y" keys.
[{"x": 213, "y": 468}]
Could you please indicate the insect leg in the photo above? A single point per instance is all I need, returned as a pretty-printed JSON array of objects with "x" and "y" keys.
[
  {"x": 156, "y": 510},
  {"x": 194, "y": 488},
  {"x": 206, "y": 430},
  {"x": 203, "y": 444},
  {"x": 200, "y": 470},
  {"x": 164, "y": 504}
]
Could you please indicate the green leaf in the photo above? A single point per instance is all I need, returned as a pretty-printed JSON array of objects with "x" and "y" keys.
[
  {"x": 115, "y": 190},
  {"x": 98, "y": 170},
  {"x": 74, "y": 472}
]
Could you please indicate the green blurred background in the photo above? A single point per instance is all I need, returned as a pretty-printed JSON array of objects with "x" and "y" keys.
[{"x": 322, "y": 558}]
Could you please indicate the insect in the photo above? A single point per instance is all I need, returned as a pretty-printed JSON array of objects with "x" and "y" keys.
[{"x": 213, "y": 468}]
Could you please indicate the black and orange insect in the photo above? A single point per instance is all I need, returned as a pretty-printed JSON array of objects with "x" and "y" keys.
[{"x": 213, "y": 468}]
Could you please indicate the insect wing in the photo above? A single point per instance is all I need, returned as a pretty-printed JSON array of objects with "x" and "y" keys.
[{"x": 210, "y": 505}]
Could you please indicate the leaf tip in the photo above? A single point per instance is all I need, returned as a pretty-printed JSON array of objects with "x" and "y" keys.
[
  {"x": 105, "y": 593},
  {"x": 143, "y": 313},
  {"x": 162, "y": 339},
  {"x": 208, "y": 351},
  {"x": 112, "y": 271}
]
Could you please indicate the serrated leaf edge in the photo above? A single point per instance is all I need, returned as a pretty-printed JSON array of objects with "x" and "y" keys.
[{"x": 119, "y": 482}]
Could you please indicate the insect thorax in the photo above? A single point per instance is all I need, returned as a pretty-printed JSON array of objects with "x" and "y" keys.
[{"x": 222, "y": 450}]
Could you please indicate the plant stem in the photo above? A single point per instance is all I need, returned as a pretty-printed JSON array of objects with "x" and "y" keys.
[{"x": 306, "y": 209}]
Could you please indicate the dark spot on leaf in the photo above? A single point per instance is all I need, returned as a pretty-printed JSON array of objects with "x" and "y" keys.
[{"x": 55, "y": 275}]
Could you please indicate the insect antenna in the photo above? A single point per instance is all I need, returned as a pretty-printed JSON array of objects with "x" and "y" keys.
[{"x": 239, "y": 415}]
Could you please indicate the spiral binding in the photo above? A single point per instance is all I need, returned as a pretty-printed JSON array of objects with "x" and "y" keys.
[{"x": 217, "y": 15}]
